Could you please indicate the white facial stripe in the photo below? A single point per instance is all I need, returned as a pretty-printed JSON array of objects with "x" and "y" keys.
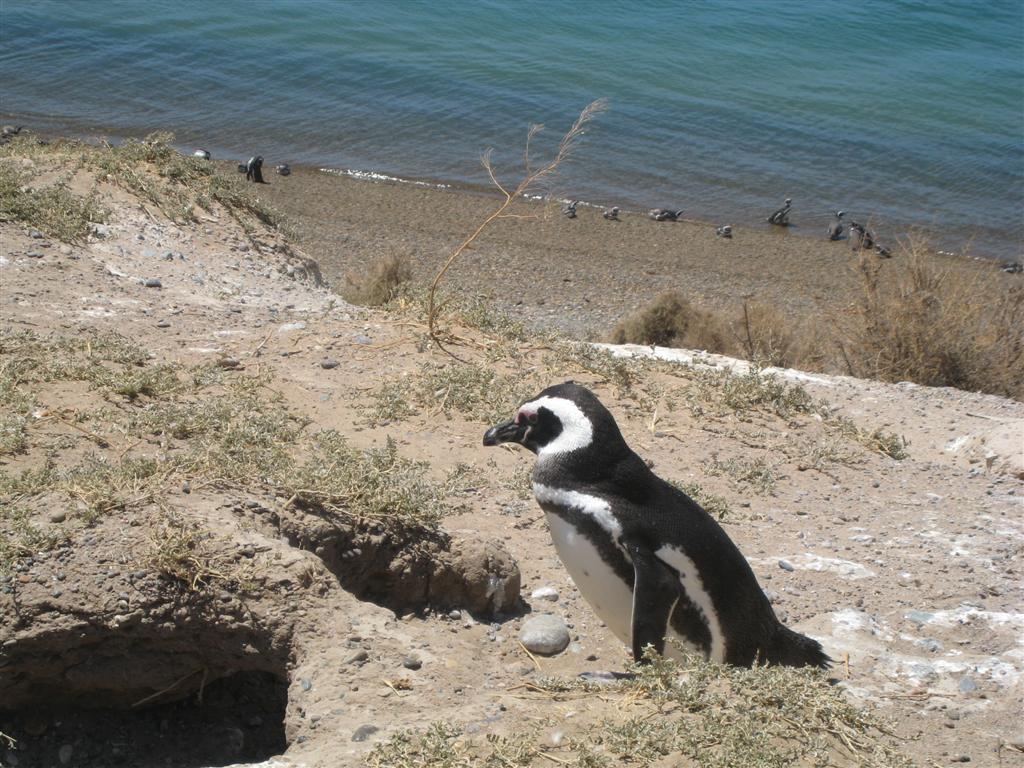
[
  {"x": 577, "y": 431},
  {"x": 690, "y": 579},
  {"x": 599, "y": 509}
]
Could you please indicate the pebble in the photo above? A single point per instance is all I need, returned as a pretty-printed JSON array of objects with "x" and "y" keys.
[
  {"x": 35, "y": 254},
  {"x": 545, "y": 593},
  {"x": 64, "y": 754},
  {"x": 65, "y": 250},
  {"x": 35, "y": 234},
  {"x": 920, "y": 617},
  {"x": 363, "y": 339},
  {"x": 153, "y": 282},
  {"x": 329, "y": 363},
  {"x": 786, "y": 565},
  {"x": 163, "y": 324},
  {"x": 455, "y": 615},
  {"x": 363, "y": 732},
  {"x": 544, "y": 634},
  {"x": 58, "y": 517},
  {"x": 357, "y": 658},
  {"x": 306, "y": 684},
  {"x": 967, "y": 685},
  {"x": 411, "y": 662}
]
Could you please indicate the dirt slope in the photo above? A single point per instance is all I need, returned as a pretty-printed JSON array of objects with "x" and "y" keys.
[{"x": 908, "y": 570}]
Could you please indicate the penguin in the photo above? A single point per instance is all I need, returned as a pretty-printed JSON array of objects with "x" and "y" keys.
[
  {"x": 882, "y": 251},
  {"x": 1012, "y": 267},
  {"x": 649, "y": 560},
  {"x": 569, "y": 209},
  {"x": 780, "y": 218},
  {"x": 612, "y": 214},
  {"x": 664, "y": 214},
  {"x": 254, "y": 170},
  {"x": 857, "y": 233},
  {"x": 283, "y": 169},
  {"x": 724, "y": 231},
  {"x": 835, "y": 229}
]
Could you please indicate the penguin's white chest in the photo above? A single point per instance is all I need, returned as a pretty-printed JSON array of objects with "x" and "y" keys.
[{"x": 609, "y": 596}]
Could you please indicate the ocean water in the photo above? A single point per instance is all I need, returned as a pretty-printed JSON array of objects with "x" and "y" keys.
[{"x": 907, "y": 114}]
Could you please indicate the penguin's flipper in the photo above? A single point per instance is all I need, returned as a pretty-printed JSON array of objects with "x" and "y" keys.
[{"x": 655, "y": 593}]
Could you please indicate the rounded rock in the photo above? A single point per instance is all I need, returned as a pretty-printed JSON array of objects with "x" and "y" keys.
[{"x": 544, "y": 634}]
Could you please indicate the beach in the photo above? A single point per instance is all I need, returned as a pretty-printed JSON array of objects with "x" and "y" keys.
[{"x": 582, "y": 275}]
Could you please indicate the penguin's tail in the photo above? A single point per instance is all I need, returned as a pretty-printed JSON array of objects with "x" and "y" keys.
[{"x": 791, "y": 649}]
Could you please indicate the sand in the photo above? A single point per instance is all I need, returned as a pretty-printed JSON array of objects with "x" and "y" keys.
[{"x": 578, "y": 275}]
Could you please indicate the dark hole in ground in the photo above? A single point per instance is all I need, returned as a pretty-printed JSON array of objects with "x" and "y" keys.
[{"x": 239, "y": 719}]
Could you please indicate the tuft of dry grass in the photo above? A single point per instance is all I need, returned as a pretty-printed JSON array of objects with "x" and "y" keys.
[
  {"x": 917, "y": 321},
  {"x": 384, "y": 280},
  {"x": 696, "y": 713},
  {"x": 151, "y": 168},
  {"x": 54, "y": 210},
  {"x": 671, "y": 320}
]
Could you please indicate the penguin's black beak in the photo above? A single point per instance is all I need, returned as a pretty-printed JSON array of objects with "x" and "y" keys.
[{"x": 509, "y": 432}]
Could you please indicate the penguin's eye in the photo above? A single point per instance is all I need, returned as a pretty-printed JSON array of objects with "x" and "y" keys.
[{"x": 528, "y": 416}]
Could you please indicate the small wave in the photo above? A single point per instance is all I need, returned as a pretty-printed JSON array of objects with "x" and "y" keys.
[{"x": 374, "y": 176}]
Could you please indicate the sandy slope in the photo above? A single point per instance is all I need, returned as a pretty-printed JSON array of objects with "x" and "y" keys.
[{"x": 908, "y": 571}]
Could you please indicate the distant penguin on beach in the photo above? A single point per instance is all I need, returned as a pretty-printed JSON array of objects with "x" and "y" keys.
[
  {"x": 780, "y": 218},
  {"x": 724, "y": 231},
  {"x": 1012, "y": 267},
  {"x": 8, "y": 132},
  {"x": 254, "y": 170},
  {"x": 835, "y": 229},
  {"x": 861, "y": 237},
  {"x": 612, "y": 214},
  {"x": 569, "y": 209},
  {"x": 202, "y": 154},
  {"x": 664, "y": 214},
  {"x": 283, "y": 169},
  {"x": 882, "y": 251}
]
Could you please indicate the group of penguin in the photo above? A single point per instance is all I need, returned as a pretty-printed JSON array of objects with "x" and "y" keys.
[
  {"x": 860, "y": 236},
  {"x": 253, "y": 169}
]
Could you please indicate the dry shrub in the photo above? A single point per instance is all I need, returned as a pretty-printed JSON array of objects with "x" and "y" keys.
[
  {"x": 767, "y": 337},
  {"x": 384, "y": 280},
  {"x": 920, "y": 322},
  {"x": 672, "y": 321}
]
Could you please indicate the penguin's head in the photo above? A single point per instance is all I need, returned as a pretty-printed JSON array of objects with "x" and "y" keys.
[{"x": 560, "y": 420}]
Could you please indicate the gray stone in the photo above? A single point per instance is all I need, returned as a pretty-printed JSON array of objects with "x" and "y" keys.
[
  {"x": 544, "y": 634},
  {"x": 329, "y": 363},
  {"x": 59, "y": 516},
  {"x": 967, "y": 685},
  {"x": 163, "y": 324},
  {"x": 919, "y": 617},
  {"x": 153, "y": 282},
  {"x": 411, "y": 662},
  {"x": 64, "y": 754},
  {"x": 35, "y": 234},
  {"x": 786, "y": 566},
  {"x": 363, "y": 732},
  {"x": 306, "y": 684},
  {"x": 363, "y": 339}
]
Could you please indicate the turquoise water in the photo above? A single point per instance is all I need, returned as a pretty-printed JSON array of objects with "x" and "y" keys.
[{"x": 907, "y": 114}]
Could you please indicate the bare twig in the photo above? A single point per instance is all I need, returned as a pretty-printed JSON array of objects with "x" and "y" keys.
[{"x": 565, "y": 147}]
